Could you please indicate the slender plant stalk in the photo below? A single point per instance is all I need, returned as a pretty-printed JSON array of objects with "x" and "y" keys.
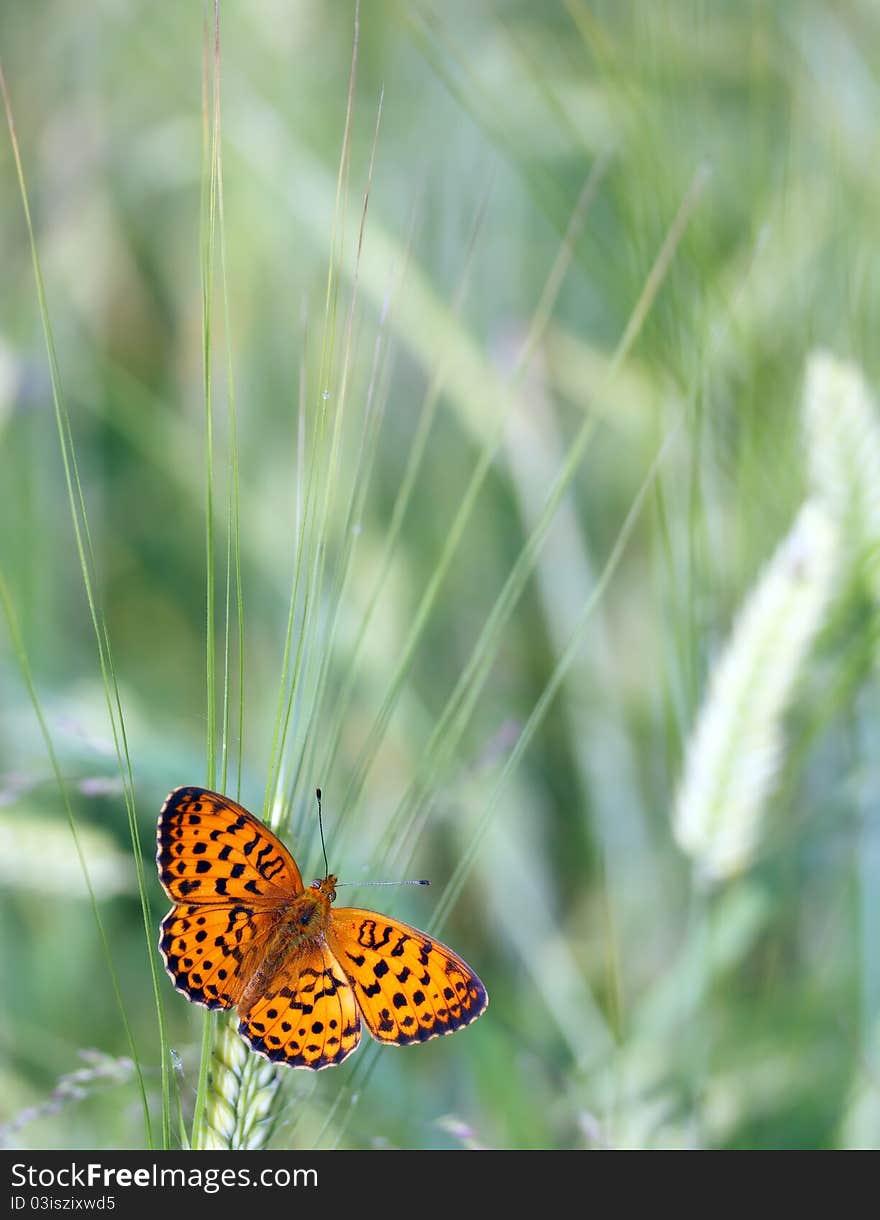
[
  {"x": 310, "y": 691},
  {"x": 236, "y": 1093},
  {"x": 304, "y": 566},
  {"x": 454, "y": 718},
  {"x": 452, "y": 890},
  {"x": 210, "y": 185},
  {"x": 219, "y": 1073},
  {"x": 427, "y": 414},
  {"x": 20, "y": 651},
  {"x": 86, "y": 555},
  {"x": 842, "y": 435},
  {"x": 452, "y": 723},
  {"x": 457, "y": 529},
  {"x": 376, "y": 396}
]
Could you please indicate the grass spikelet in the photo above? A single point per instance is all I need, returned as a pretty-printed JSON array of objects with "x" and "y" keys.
[
  {"x": 843, "y": 452},
  {"x": 239, "y": 1103},
  {"x": 733, "y": 756},
  {"x": 100, "y": 1071}
]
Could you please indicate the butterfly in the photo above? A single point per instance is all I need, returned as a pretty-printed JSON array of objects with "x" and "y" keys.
[{"x": 245, "y": 933}]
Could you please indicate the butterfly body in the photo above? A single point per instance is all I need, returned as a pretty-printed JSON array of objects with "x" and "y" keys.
[{"x": 245, "y": 933}]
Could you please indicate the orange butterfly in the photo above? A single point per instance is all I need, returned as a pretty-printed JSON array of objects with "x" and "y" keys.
[{"x": 245, "y": 933}]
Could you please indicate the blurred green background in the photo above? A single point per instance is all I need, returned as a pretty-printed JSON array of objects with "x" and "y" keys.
[{"x": 744, "y": 137}]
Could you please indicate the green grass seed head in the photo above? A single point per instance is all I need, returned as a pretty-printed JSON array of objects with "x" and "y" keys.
[{"x": 733, "y": 756}]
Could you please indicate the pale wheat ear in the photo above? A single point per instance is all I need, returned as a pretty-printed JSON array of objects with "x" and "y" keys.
[
  {"x": 842, "y": 439},
  {"x": 734, "y": 752},
  {"x": 241, "y": 1104}
]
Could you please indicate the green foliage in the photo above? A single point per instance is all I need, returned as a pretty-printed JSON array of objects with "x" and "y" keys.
[{"x": 495, "y": 460}]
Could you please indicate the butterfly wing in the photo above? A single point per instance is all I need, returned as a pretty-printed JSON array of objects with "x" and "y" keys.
[
  {"x": 211, "y": 951},
  {"x": 409, "y": 987},
  {"x": 229, "y": 877},
  {"x": 306, "y": 1016},
  {"x": 210, "y": 849}
]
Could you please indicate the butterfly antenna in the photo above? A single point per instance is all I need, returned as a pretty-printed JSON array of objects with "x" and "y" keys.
[
  {"x": 321, "y": 829},
  {"x": 327, "y": 866},
  {"x": 422, "y": 882}
]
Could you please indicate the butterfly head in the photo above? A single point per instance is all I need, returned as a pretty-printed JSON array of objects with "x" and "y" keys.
[{"x": 326, "y": 887}]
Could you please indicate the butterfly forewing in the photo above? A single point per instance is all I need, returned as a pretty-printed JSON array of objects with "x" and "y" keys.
[
  {"x": 229, "y": 877},
  {"x": 409, "y": 987},
  {"x": 210, "y": 849}
]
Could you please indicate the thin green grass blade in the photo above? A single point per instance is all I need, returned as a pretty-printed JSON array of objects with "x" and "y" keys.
[
  {"x": 376, "y": 396},
  {"x": 403, "y": 499},
  {"x": 20, "y": 651},
  {"x": 452, "y": 890},
  {"x": 453, "y": 721},
  {"x": 309, "y": 566},
  {"x": 475, "y": 99},
  {"x": 85, "y": 552},
  {"x": 414, "y": 805},
  {"x": 233, "y": 542},
  {"x": 481, "y": 658},
  {"x": 211, "y": 115},
  {"x": 302, "y": 747},
  {"x": 238, "y": 1079},
  {"x": 209, "y": 233}
]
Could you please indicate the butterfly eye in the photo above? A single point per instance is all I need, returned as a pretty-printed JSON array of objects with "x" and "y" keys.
[
  {"x": 316, "y": 885},
  {"x": 333, "y": 895}
]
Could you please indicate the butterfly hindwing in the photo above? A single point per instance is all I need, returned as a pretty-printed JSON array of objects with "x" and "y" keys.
[
  {"x": 408, "y": 986},
  {"x": 306, "y": 1015},
  {"x": 212, "y": 850},
  {"x": 211, "y": 951}
]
